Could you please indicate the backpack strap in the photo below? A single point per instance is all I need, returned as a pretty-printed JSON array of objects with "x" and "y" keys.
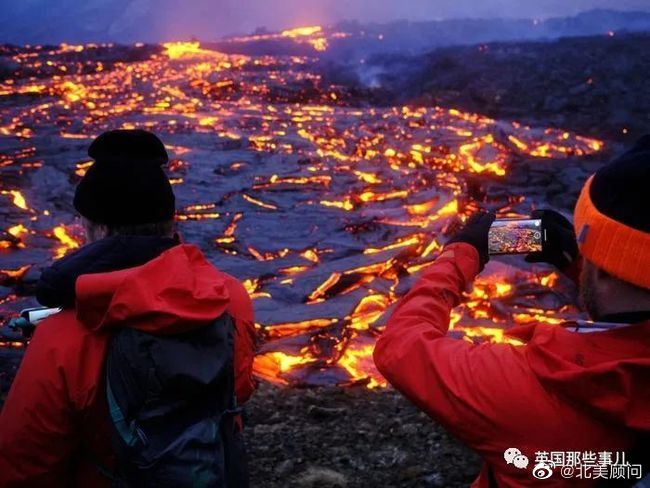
[
  {"x": 235, "y": 458},
  {"x": 128, "y": 432}
]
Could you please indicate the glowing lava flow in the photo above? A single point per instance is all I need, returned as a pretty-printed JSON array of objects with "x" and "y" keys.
[
  {"x": 324, "y": 207},
  {"x": 17, "y": 198},
  {"x": 67, "y": 242}
]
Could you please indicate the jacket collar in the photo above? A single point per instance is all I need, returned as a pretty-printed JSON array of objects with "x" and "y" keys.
[{"x": 56, "y": 286}]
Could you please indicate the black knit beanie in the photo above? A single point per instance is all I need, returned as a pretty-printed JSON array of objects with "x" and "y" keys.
[
  {"x": 620, "y": 189},
  {"x": 126, "y": 185}
]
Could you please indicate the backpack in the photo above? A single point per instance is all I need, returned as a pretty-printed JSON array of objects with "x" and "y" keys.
[{"x": 175, "y": 421}]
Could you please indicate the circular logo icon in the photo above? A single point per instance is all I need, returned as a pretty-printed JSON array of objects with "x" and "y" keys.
[{"x": 542, "y": 471}]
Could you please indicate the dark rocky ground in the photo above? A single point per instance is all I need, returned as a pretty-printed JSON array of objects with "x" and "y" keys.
[
  {"x": 349, "y": 437},
  {"x": 593, "y": 85}
]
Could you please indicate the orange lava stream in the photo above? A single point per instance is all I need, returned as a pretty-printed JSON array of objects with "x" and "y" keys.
[{"x": 399, "y": 169}]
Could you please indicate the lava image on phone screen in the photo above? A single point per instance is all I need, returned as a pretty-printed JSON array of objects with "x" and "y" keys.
[{"x": 515, "y": 236}]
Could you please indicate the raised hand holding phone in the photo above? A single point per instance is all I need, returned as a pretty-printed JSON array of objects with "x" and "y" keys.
[
  {"x": 547, "y": 236},
  {"x": 475, "y": 232},
  {"x": 560, "y": 248}
]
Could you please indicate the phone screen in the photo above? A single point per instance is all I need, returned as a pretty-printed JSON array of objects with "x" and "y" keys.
[{"x": 516, "y": 236}]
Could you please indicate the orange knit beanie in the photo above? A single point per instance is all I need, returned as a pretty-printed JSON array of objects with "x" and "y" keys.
[{"x": 612, "y": 217}]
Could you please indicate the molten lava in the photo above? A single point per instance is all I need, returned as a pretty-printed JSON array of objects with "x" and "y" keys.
[{"x": 326, "y": 208}]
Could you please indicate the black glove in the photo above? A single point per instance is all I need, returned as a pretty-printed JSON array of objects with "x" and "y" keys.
[
  {"x": 561, "y": 247},
  {"x": 475, "y": 233}
]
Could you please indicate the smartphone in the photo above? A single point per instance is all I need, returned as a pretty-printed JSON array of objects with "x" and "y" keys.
[
  {"x": 29, "y": 318},
  {"x": 516, "y": 236},
  {"x": 35, "y": 315}
]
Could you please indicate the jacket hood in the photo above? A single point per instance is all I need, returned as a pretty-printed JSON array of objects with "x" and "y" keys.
[
  {"x": 605, "y": 373},
  {"x": 153, "y": 284},
  {"x": 176, "y": 292}
]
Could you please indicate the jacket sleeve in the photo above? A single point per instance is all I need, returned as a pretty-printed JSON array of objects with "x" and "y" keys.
[
  {"x": 241, "y": 309},
  {"x": 37, "y": 435},
  {"x": 452, "y": 380}
]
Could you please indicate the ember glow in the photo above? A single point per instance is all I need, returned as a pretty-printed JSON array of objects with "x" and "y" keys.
[{"x": 325, "y": 207}]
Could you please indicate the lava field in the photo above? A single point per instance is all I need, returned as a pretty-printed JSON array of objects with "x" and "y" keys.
[{"x": 325, "y": 206}]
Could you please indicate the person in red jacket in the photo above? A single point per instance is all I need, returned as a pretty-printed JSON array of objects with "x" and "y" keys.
[
  {"x": 133, "y": 273},
  {"x": 579, "y": 388}
]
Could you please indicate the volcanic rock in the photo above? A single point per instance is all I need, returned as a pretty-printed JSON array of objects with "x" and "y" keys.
[{"x": 318, "y": 477}]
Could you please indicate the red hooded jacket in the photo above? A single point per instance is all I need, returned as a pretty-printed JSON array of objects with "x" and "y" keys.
[
  {"x": 561, "y": 391},
  {"x": 54, "y": 427}
]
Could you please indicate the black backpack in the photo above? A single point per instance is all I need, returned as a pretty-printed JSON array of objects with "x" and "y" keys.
[{"x": 173, "y": 409}]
